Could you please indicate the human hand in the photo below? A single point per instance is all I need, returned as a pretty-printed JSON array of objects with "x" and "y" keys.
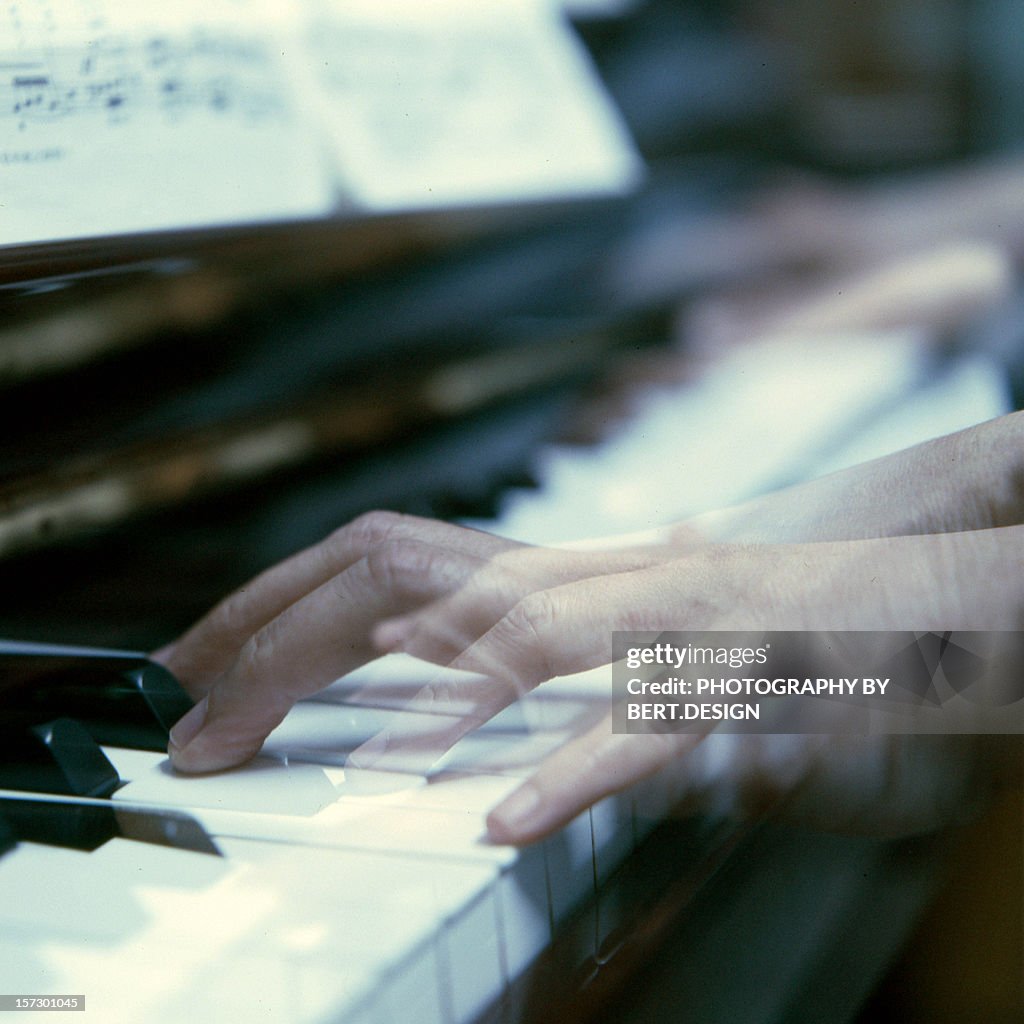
[
  {"x": 882, "y": 784},
  {"x": 514, "y": 616},
  {"x": 327, "y": 610}
]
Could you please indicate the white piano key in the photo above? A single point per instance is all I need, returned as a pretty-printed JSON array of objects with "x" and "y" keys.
[
  {"x": 474, "y": 792},
  {"x": 184, "y": 933},
  {"x": 140, "y": 863},
  {"x": 524, "y": 908},
  {"x": 476, "y": 957},
  {"x": 391, "y": 895},
  {"x": 391, "y": 682},
  {"x": 414, "y": 991},
  {"x": 264, "y": 785},
  {"x": 367, "y": 782},
  {"x": 538, "y": 711},
  {"x": 496, "y": 753},
  {"x": 758, "y": 442},
  {"x": 569, "y": 859},
  {"x": 314, "y": 929},
  {"x": 265, "y": 988},
  {"x": 593, "y": 846},
  {"x": 431, "y": 832},
  {"x": 328, "y": 733},
  {"x": 594, "y": 686},
  {"x": 548, "y": 887},
  {"x": 52, "y": 891},
  {"x": 24, "y": 968},
  {"x": 131, "y": 764},
  {"x": 522, "y": 888},
  {"x": 183, "y": 908},
  {"x": 612, "y": 824},
  {"x": 375, "y": 877}
]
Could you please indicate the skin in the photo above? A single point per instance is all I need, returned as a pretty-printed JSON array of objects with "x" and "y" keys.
[{"x": 927, "y": 539}]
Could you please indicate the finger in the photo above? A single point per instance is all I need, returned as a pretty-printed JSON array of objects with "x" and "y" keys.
[
  {"x": 560, "y": 631},
  {"x": 455, "y": 624},
  {"x": 440, "y": 631},
  {"x": 312, "y": 642},
  {"x": 586, "y": 770},
  {"x": 548, "y": 633},
  {"x": 566, "y": 629},
  {"x": 206, "y": 650}
]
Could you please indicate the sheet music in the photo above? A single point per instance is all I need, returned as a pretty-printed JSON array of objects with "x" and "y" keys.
[
  {"x": 114, "y": 119},
  {"x": 118, "y": 118},
  {"x": 461, "y": 101}
]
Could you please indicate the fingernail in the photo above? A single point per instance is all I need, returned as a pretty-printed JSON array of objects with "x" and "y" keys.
[
  {"x": 514, "y": 814},
  {"x": 189, "y": 726}
]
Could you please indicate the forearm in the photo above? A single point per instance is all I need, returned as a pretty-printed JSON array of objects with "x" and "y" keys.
[
  {"x": 966, "y": 580},
  {"x": 971, "y": 480}
]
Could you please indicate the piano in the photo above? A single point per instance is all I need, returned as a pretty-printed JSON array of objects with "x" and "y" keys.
[
  {"x": 342, "y": 895},
  {"x": 230, "y": 426}
]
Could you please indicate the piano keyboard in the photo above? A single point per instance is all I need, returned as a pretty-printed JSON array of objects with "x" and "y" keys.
[{"x": 369, "y": 897}]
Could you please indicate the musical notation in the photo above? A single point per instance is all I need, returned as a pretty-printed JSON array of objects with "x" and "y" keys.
[
  {"x": 115, "y": 120},
  {"x": 118, "y": 119},
  {"x": 119, "y": 78},
  {"x": 85, "y": 62}
]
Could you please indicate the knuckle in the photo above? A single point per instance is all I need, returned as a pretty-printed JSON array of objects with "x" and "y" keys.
[
  {"x": 258, "y": 650},
  {"x": 268, "y": 687},
  {"x": 395, "y": 565},
  {"x": 369, "y": 529},
  {"x": 232, "y": 613},
  {"x": 533, "y": 617},
  {"x": 528, "y": 627}
]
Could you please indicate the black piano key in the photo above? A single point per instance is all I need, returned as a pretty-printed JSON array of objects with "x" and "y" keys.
[
  {"x": 165, "y": 828},
  {"x": 73, "y": 826},
  {"x": 122, "y": 699},
  {"x": 57, "y": 756},
  {"x": 87, "y": 826},
  {"x": 8, "y": 840}
]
